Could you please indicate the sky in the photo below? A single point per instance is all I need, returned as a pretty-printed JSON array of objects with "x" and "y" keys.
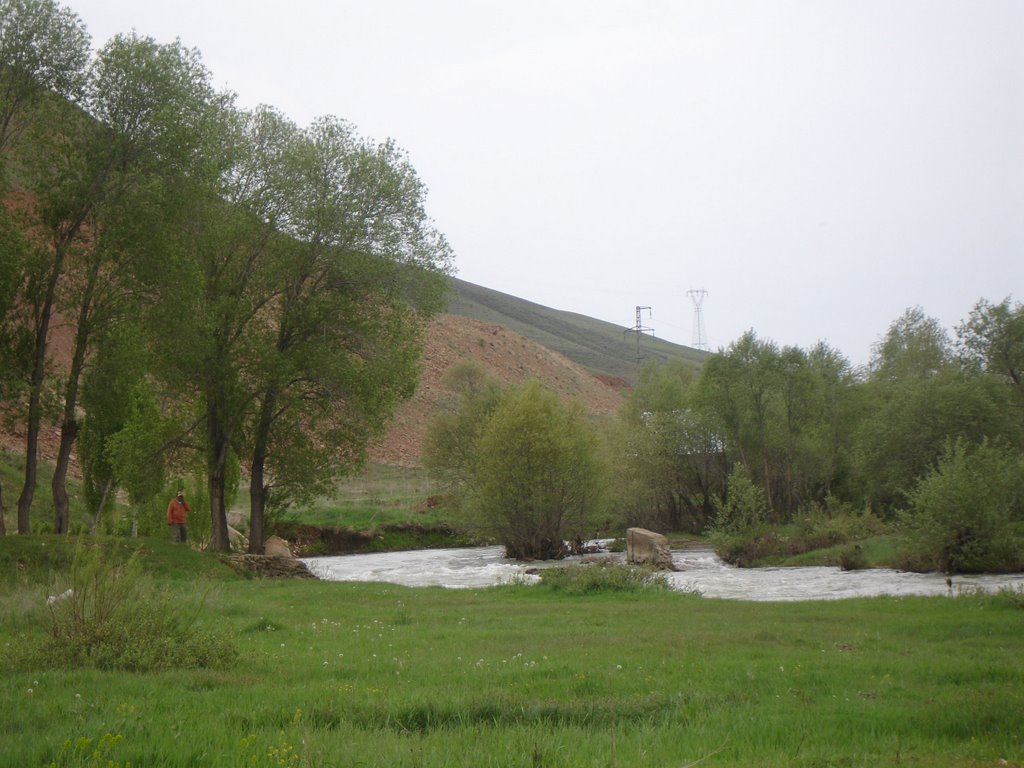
[{"x": 816, "y": 166}]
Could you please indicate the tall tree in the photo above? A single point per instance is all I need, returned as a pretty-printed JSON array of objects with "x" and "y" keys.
[
  {"x": 992, "y": 340},
  {"x": 99, "y": 168},
  {"x": 213, "y": 311},
  {"x": 145, "y": 98},
  {"x": 917, "y": 399},
  {"x": 361, "y": 274},
  {"x": 671, "y": 464},
  {"x": 44, "y": 48}
]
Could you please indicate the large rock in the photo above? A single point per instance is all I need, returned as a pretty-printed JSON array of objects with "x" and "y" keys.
[
  {"x": 275, "y": 546},
  {"x": 645, "y": 547}
]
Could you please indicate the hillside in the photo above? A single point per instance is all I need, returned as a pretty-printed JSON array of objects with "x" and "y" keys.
[
  {"x": 598, "y": 346},
  {"x": 515, "y": 340}
]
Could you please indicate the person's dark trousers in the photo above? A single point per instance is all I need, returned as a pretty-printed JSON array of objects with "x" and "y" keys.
[{"x": 179, "y": 533}]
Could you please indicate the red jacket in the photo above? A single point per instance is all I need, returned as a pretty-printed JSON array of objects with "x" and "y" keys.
[{"x": 177, "y": 511}]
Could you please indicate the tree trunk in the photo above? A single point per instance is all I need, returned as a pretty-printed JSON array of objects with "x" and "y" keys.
[
  {"x": 69, "y": 425},
  {"x": 216, "y": 461},
  {"x": 61, "y": 507},
  {"x": 103, "y": 502},
  {"x": 258, "y": 491},
  {"x": 35, "y": 411}
]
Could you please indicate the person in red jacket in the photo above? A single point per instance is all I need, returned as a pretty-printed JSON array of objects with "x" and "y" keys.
[{"x": 177, "y": 516}]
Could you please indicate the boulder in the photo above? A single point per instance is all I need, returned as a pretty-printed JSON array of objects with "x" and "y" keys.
[
  {"x": 269, "y": 567},
  {"x": 275, "y": 546},
  {"x": 645, "y": 547}
]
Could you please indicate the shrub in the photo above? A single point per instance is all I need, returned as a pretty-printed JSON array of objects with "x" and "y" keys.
[
  {"x": 602, "y": 577},
  {"x": 744, "y": 505},
  {"x": 961, "y": 516},
  {"x": 852, "y": 558},
  {"x": 536, "y": 479},
  {"x": 111, "y": 616}
]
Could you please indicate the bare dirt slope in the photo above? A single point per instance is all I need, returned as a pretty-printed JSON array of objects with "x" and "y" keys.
[{"x": 508, "y": 357}]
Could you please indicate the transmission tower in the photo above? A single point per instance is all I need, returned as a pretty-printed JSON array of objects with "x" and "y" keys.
[
  {"x": 700, "y": 335},
  {"x": 639, "y": 329}
]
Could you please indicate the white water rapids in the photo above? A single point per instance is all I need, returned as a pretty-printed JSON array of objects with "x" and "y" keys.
[{"x": 699, "y": 570}]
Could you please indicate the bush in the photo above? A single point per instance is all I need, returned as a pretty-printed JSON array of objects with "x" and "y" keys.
[
  {"x": 602, "y": 577},
  {"x": 852, "y": 558},
  {"x": 536, "y": 478},
  {"x": 962, "y": 514},
  {"x": 111, "y": 616},
  {"x": 744, "y": 505}
]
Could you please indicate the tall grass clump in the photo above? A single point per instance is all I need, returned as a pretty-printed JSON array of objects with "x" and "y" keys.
[
  {"x": 109, "y": 615},
  {"x": 591, "y": 578}
]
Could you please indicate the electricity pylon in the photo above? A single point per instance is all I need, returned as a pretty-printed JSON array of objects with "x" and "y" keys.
[{"x": 700, "y": 336}]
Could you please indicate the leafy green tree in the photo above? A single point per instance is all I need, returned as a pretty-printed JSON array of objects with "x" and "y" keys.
[
  {"x": 44, "y": 48},
  {"x": 742, "y": 506},
  {"x": 217, "y": 287},
  {"x": 962, "y": 514},
  {"x": 43, "y": 51},
  {"x": 361, "y": 273},
  {"x": 91, "y": 175},
  {"x": 669, "y": 465},
  {"x": 780, "y": 413},
  {"x": 449, "y": 446},
  {"x": 916, "y": 399},
  {"x": 537, "y": 479},
  {"x": 915, "y": 346},
  {"x": 992, "y": 340}
]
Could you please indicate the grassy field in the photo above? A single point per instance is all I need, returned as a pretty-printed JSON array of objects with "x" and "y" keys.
[{"x": 334, "y": 674}]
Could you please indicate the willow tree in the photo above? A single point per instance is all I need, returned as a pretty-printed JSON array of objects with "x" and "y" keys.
[
  {"x": 537, "y": 479},
  {"x": 362, "y": 271},
  {"x": 43, "y": 52}
]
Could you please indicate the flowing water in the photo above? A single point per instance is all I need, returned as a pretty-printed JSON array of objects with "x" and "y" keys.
[{"x": 699, "y": 570}]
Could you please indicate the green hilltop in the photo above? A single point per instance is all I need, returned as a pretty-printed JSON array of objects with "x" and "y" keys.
[{"x": 602, "y": 347}]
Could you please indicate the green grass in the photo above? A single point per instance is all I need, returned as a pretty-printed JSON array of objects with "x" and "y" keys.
[
  {"x": 600, "y": 346},
  {"x": 334, "y": 674},
  {"x": 12, "y": 478}
]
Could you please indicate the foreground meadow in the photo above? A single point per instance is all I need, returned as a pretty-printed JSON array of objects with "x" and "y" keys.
[{"x": 336, "y": 674}]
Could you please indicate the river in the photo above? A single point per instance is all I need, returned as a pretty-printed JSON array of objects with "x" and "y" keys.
[{"x": 700, "y": 570}]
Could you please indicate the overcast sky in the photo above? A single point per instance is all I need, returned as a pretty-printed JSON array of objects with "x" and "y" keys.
[{"x": 817, "y": 167}]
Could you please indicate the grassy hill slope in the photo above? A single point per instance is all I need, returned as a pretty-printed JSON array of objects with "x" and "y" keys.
[{"x": 599, "y": 346}]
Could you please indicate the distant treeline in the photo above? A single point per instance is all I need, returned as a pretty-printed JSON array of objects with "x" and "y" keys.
[{"x": 930, "y": 434}]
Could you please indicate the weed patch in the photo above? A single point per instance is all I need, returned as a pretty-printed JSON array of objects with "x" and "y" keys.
[
  {"x": 109, "y": 615},
  {"x": 601, "y": 577}
]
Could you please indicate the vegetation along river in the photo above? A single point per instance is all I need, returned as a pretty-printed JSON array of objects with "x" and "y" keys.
[{"x": 699, "y": 570}]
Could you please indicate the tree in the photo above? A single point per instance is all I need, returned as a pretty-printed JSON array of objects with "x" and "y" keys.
[
  {"x": 962, "y": 513},
  {"x": 918, "y": 398},
  {"x": 915, "y": 346},
  {"x": 992, "y": 340},
  {"x": 449, "y": 446},
  {"x": 669, "y": 464},
  {"x": 93, "y": 174},
  {"x": 362, "y": 272},
  {"x": 536, "y": 479},
  {"x": 44, "y": 48}
]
